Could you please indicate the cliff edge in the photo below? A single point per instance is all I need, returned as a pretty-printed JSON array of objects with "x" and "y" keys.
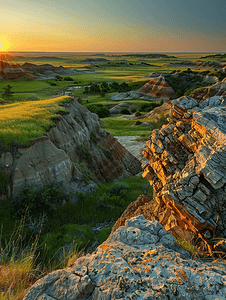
[{"x": 74, "y": 152}]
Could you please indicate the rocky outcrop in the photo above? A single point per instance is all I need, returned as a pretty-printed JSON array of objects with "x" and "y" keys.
[
  {"x": 10, "y": 71},
  {"x": 48, "y": 69},
  {"x": 131, "y": 95},
  {"x": 187, "y": 166},
  {"x": 158, "y": 87},
  {"x": 198, "y": 64},
  {"x": 140, "y": 260},
  {"x": 164, "y": 109},
  {"x": 218, "y": 89},
  {"x": 57, "y": 157}
]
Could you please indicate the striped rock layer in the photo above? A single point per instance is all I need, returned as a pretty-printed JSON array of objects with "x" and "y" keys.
[{"x": 158, "y": 87}]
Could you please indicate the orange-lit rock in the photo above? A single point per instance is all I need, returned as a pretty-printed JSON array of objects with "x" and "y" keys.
[{"x": 187, "y": 166}]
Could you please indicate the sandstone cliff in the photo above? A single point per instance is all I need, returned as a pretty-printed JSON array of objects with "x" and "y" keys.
[
  {"x": 56, "y": 157},
  {"x": 187, "y": 167},
  {"x": 141, "y": 260}
]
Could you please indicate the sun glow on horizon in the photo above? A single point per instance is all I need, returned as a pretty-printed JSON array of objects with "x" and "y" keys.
[{"x": 4, "y": 44}]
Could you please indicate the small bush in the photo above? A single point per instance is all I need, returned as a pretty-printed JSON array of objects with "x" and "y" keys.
[
  {"x": 99, "y": 109},
  {"x": 138, "y": 123},
  {"x": 146, "y": 107},
  {"x": 125, "y": 111},
  {"x": 118, "y": 189},
  {"x": 133, "y": 110},
  {"x": 67, "y": 78},
  {"x": 52, "y": 83},
  {"x": 38, "y": 202},
  {"x": 137, "y": 114}
]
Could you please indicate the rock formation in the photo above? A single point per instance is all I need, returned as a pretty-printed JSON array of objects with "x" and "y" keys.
[
  {"x": 187, "y": 167},
  {"x": 158, "y": 87},
  {"x": 140, "y": 260},
  {"x": 56, "y": 157},
  {"x": 132, "y": 95},
  {"x": 218, "y": 89},
  {"x": 10, "y": 71},
  {"x": 47, "y": 69},
  {"x": 198, "y": 64}
]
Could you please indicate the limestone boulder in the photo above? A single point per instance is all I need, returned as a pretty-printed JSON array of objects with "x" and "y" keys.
[{"x": 140, "y": 260}]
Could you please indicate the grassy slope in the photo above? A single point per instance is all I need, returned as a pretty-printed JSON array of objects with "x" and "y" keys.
[{"x": 22, "y": 121}]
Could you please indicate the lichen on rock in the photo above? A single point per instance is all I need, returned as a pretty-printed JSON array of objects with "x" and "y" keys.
[{"x": 140, "y": 260}]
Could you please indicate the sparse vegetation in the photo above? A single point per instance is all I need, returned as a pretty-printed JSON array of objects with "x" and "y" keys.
[{"x": 8, "y": 91}]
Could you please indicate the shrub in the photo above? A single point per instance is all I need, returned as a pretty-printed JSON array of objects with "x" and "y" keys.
[
  {"x": 146, "y": 107},
  {"x": 38, "y": 202},
  {"x": 138, "y": 123},
  {"x": 99, "y": 109},
  {"x": 125, "y": 111},
  {"x": 118, "y": 189},
  {"x": 137, "y": 114},
  {"x": 67, "y": 78},
  {"x": 52, "y": 83},
  {"x": 133, "y": 110},
  {"x": 58, "y": 77}
]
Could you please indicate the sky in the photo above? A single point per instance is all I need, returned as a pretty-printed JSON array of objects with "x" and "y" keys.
[{"x": 113, "y": 25}]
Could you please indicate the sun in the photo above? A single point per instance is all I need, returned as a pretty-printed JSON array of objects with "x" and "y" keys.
[{"x": 4, "y": 44}]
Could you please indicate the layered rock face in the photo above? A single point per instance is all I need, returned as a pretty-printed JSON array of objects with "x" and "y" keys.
[
  {"x": 55, "y": 158},
  {"x": 187, "y": 167},
  {"x": 140, "y": 260},
  {"x": 218, "y": 89},
  {"x": 47, "y": 69},
  {"x": 158, "y": 87},
  {"x": 199, "y": 64},
  {"x": 11, "y": 71}
]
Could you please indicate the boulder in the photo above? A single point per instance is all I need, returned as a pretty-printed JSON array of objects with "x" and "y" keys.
[
  {"x": 140, "y": 260},
  {"x": 131, "y": 95}
]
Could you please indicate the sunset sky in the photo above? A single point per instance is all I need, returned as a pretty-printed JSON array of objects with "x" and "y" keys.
[{"x": 113, "y": 25}]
